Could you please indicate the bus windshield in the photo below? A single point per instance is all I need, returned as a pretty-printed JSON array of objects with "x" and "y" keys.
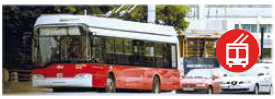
[{"x": 66, "y": 44}]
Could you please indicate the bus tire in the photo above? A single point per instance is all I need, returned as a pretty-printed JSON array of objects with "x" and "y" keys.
[
  {"x": 110, "y": 84},
  {"x": 58, "y": 89},
  {"x": 209, "y": 90},
  {"x": 156, "y": 85},
  {"x": 179, "y": 91}
]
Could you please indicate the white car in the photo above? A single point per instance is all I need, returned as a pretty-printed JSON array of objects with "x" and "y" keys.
[{"x": 257, "y": 79}]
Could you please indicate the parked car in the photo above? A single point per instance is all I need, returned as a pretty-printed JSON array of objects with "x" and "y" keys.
[
  {"x": 257, "y": 79},
  {"x": 201, "y": 80}
]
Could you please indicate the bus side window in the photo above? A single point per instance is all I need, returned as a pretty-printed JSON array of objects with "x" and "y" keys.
[
  {"x": 110, "y": 50},
  {"x": 135, "y": 59},
  {"x": 159, "y": 54},
  {"x": 119, "y": 51},
  {"x": 142, "y": 57},
  {"x": 173, "y": 61},
  {"x": 97, "y": 48},
  {"x": 128, "y": 51},
  {"x": 149, "y": 54},
  {"x": 167, "y": 56}
]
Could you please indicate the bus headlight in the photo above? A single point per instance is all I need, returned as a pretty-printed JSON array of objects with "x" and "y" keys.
[
  {"x": 223, "y": 82},
  {"x": 37, "y": 76},
  {"x": 82, "y": 75}
]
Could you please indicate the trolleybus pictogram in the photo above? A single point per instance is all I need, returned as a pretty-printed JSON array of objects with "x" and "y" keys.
[{"x": 237, "y": 53}]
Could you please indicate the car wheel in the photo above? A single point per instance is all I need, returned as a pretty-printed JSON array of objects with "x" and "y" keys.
[
  {"x": 156, "y": 85},
  {"x": 271, "y": 90},
  {"x": 179, "y": 91},
  {"x": 256, "y": 90},
  {"x": 110, "y": 84},
  {"x": 209, "y": 90}
]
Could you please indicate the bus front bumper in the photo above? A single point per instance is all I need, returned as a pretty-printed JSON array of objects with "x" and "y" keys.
[{"x": 62, "y": 82}]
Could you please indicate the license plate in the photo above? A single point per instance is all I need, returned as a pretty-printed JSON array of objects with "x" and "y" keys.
[
  {"x": 188, "y": 89},
  {"x": 59, "y": 75},
  {"x": 234, "y": 87}
]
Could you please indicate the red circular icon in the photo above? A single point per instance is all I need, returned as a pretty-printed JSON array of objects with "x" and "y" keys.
[{"x": 237, "y": 50}]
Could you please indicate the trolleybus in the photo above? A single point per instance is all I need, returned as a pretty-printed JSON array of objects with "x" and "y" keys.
[{"x": 92, "y": 52}]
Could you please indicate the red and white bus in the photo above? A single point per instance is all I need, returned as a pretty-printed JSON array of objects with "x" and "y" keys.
[{"x": 92, "y": 52}]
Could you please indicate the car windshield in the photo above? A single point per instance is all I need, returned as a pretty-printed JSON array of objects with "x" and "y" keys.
[
  {"x": 228, "y": 73},
  {"x": 254, "y": 71},
  {"x": 232, "y": 74},
  {"x": 64, "y": 44},
  {"x": 198, "y": 74}
]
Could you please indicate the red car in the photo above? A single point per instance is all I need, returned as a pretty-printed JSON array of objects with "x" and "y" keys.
[{"x": 201, "y": 80}]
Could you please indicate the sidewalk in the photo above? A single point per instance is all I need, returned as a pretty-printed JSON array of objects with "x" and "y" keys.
[{"x": 21, "y": 87}]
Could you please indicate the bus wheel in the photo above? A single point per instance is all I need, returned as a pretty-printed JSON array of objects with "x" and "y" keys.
[
  {"x": 110, "y": 84},
  {"x": 59, "y": 89},
  {"x": 156, "y": 85},
  {"x": 209, "y": 90},
  {"x": 179, "y": 91}
]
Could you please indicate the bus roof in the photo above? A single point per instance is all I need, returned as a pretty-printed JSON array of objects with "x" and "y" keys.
[{"x": 114, "y": 27}]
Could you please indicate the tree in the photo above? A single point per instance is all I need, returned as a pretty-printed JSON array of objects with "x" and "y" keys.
[
  {"x": 172, "y": 15},
  {"x": 19, "y": 20}
]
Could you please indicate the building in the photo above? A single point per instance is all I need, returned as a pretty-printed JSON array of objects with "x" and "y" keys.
[
  {"x": 209, "y": 22},
  {"x": 227, "y": 17}
]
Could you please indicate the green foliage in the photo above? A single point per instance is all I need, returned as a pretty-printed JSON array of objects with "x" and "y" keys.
[
  {"x": 19, "y": 20},
  {"x": 139, "y": 14},
  {"x": 172, "y": 15}
]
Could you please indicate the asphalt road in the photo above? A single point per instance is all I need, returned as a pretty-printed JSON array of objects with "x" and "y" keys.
[
  {"x": 25, "y": 88},
  {"x": 138, "y": 93}
]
